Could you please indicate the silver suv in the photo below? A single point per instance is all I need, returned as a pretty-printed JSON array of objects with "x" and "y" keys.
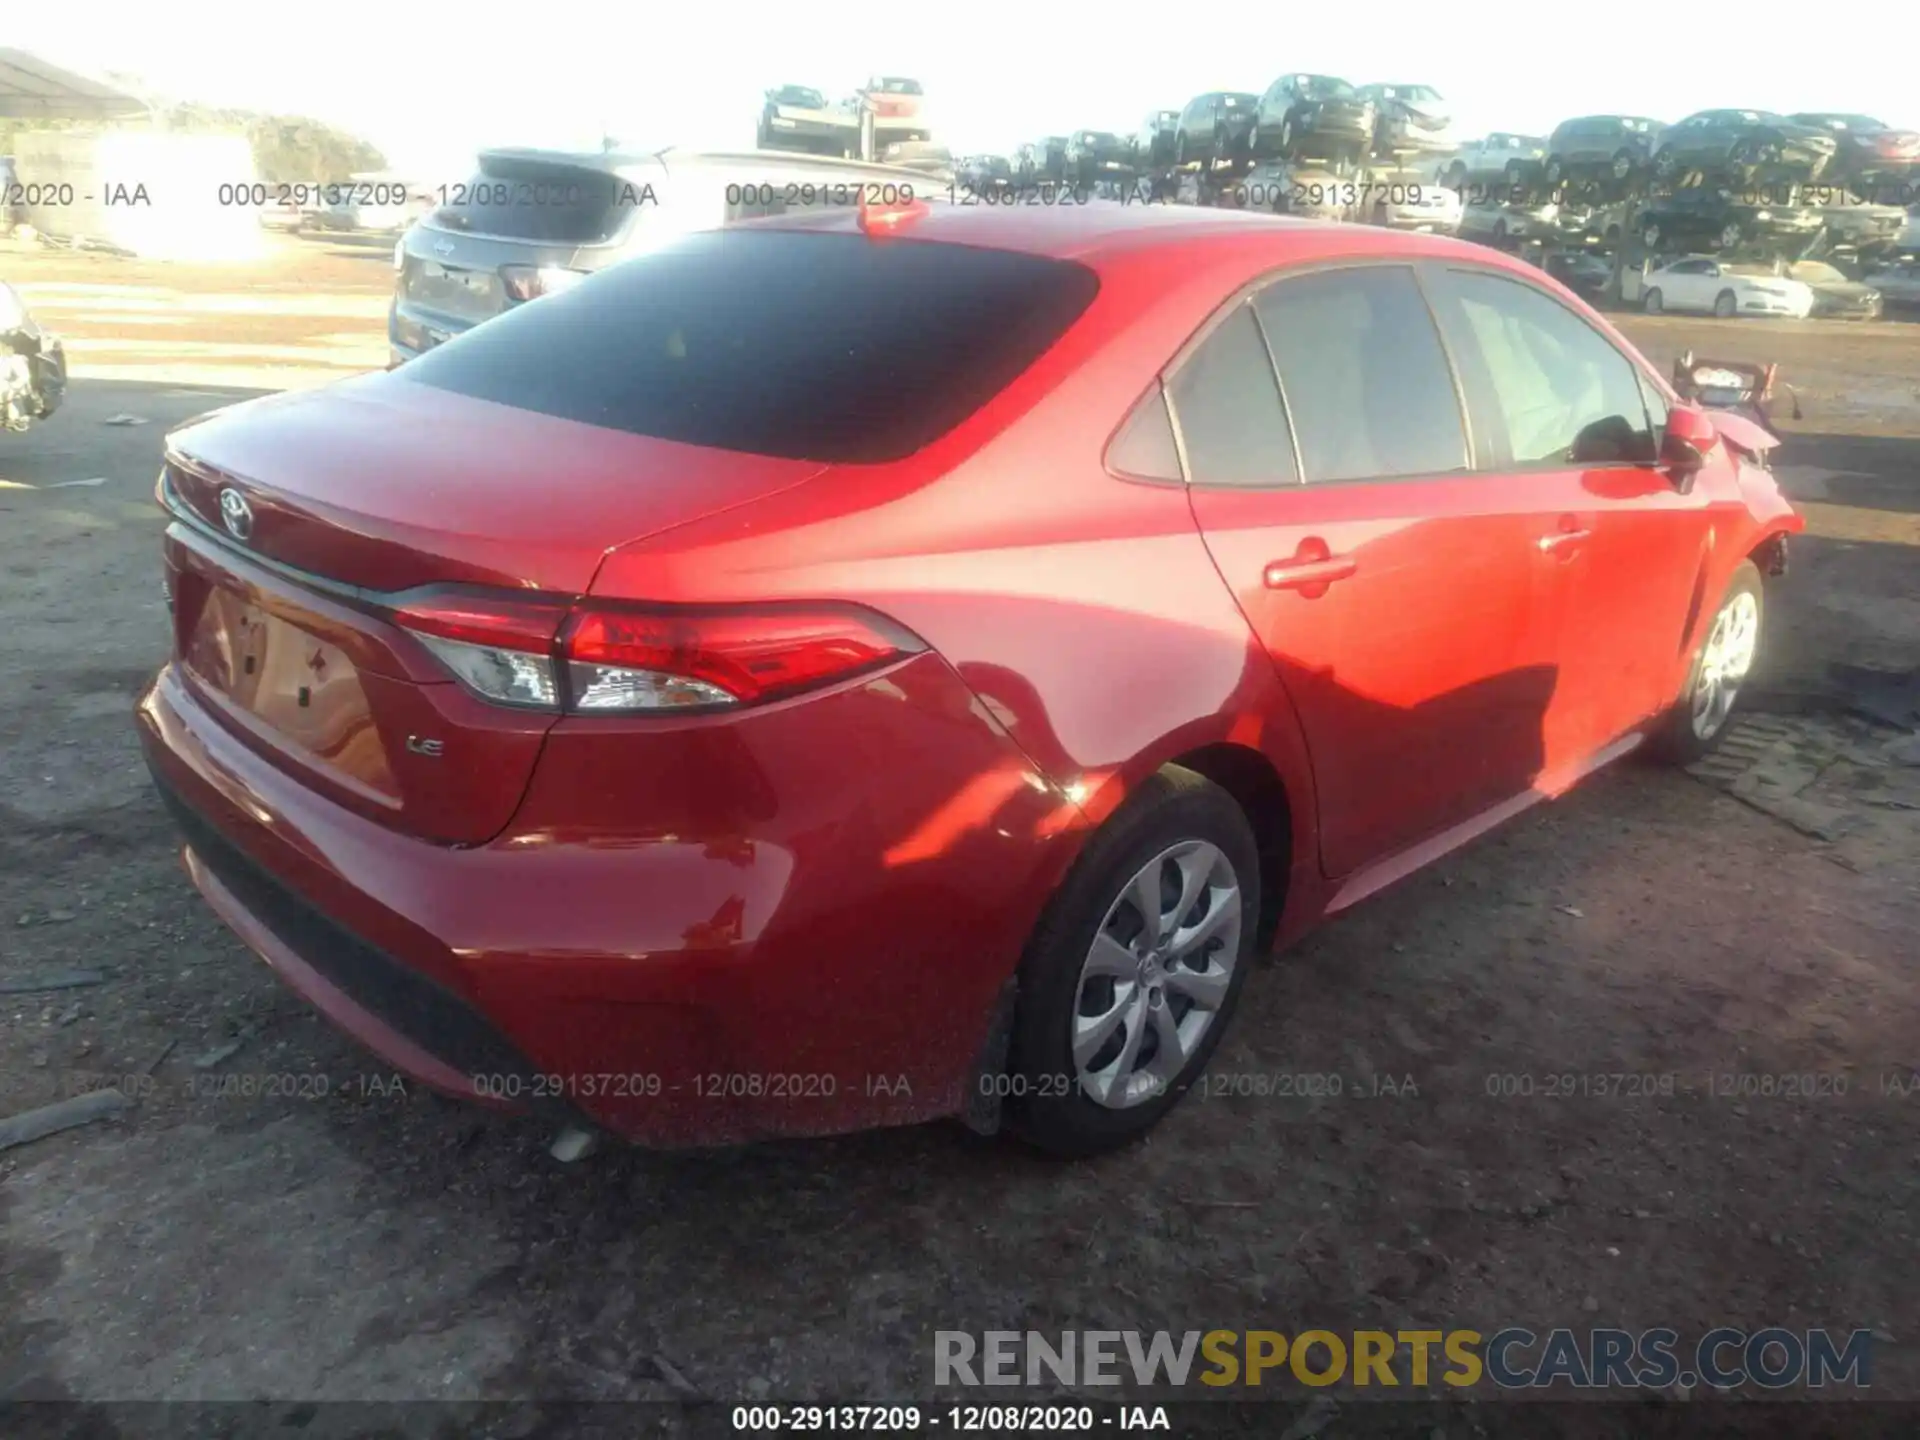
[{"x": 531, "y": 222}]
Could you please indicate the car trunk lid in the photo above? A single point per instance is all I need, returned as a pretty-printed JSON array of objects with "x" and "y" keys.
[{"x": 307, "y": 525}]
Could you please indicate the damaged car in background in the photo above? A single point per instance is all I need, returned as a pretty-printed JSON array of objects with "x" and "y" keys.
[
  {"x": 1835, "y": 296},
  {"x": 1867, "y": 147},
  {"x": 1749, "y": 141},
  {"x": 1153, "y": 146},
  {"x": 1703, "y": 216},
  {"x": 1591, "y": 146},
  {"x": 1499, "y": 224},
  {"x": 1409, "y": 119},
  {"x": 1312, "y": 117},
  {"x": 1513, "y": 158},
  {"x": 1704, "y": 284},
  {"x": 1215, "y": 126},
  {"x": 798, "y": 117},
  {"x": 1409, "y": 200},
  {"x": 1898, "y": 284},
  {"x": 1095, "y": 155},
  {"x": 33, "y": 365}
]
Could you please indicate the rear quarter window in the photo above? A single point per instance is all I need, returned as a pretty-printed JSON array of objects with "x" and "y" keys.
[{"x": 805, "y": 346}]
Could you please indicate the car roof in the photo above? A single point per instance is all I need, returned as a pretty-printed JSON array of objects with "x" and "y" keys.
[{"x": 1099, "y": 230}]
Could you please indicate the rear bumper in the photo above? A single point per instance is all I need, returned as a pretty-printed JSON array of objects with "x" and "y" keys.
[
  {"x": 412, "y": 332},
  {"x": 770, "y": 980}
]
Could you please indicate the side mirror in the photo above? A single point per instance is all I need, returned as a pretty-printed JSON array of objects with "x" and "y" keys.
[{"x": 1689, "y": 439}]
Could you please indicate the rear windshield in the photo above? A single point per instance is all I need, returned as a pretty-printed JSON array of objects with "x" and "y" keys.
[
  {"x": 834, "y": 348},
  {"x": 540, "y": 201}
]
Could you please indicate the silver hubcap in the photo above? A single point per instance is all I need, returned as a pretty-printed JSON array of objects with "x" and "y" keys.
[
  {"x": 1156, "y": 974},
  {"x": 1724, "y": 663}
]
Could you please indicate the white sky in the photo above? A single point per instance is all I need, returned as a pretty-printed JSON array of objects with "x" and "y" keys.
[{"x": 430, "y": 82}]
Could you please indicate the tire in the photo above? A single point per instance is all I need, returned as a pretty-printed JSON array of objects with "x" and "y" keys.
[
  {"x": 1456, "y": 175},
  {"x": 1179, "y": 147},
  {"x": 1286, "y": 137},
  {"x": 1665, "y": 162},
  {"x": 1699, "y": 719},
  {"x": 1730, "y": 236},
  {"x": 1556, "y": 170},
  {"x": 1652, "y": 303},
  {"x": 1726, "y": 305},
  {"x": 1500, "y": 232},
  {"x": 1070, "y": 1109},
  {"x": 1622, "y": 164},
  {"x": 1515, "y": 172},
  {"x": 1650, "y": 235}
]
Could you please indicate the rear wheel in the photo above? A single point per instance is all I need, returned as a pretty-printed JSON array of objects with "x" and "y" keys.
[
  {"x": 1131, "y": 976},
  {"x": 1725, "y": 305},
  {"x": 1720, "y": 668}
]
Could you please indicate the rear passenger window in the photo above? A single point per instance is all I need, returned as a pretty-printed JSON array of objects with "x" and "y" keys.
[
  {"x": 1563, "y": 393},
  {"x": 1228, "y": 407},
  {"x": 1366, "y": 381}
]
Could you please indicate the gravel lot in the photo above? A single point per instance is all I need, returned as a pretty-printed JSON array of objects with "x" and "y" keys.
[{"x": 375, "y": 1243}]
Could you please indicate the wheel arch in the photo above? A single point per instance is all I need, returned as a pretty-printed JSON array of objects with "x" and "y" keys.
[{"x": 1255, "y": 784}]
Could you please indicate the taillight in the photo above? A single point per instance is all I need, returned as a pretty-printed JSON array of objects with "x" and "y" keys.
[
  {"x": 601, "y": 660},
  {"x": 499, "y": 648},
  {"x": 530, "y": 282},
  {"x": 668, "y": 660}
]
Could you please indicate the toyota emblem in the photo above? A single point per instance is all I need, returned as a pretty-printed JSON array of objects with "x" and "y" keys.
[
  {"x": 236, "y": 514},
  {"x": 443, "y": 247}
]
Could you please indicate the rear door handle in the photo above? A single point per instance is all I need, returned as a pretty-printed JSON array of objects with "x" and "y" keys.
[
  {"x": 1562, "y": 539},
  {"x": 1306, "y": 574}
]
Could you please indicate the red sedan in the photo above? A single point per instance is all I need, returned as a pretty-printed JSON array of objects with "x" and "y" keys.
[{"x": 854, "y": 669}]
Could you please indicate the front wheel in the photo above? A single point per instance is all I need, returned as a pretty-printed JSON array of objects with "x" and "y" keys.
[
  {"x": 1725, "y": 305},
  {"x": 1133, "y": 972},
  {"x": 1720, "y": 668},
  {"x": 1652, "y": 301}
]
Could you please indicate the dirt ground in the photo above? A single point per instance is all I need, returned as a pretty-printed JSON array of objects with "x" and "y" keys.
[{"x": 376, "y": 1244}]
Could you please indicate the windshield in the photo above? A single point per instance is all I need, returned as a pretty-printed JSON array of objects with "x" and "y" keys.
[
  {"x": 1418, "y": 94},
  {"x": 1815, "y": 271},
  {"x": 801, "y": 96},
  {"x": 1764, "y": 271},
  {"x": 888, "y": 85}
]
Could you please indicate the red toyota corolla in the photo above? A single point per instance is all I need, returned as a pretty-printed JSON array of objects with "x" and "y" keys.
[{"x": 855, "y": 669}]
